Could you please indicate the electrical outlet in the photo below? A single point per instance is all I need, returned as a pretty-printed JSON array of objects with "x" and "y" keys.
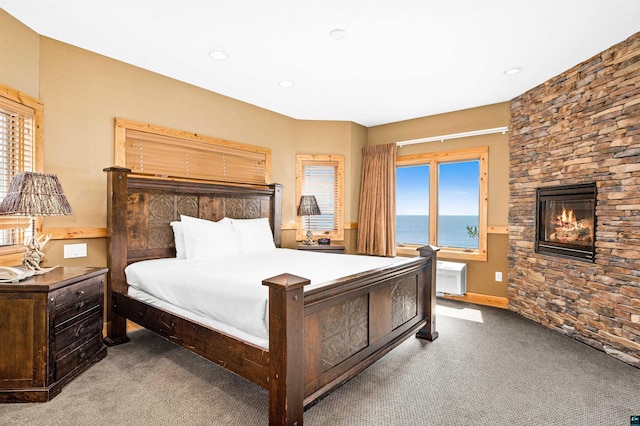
[
  {"x": 75, "y": 250},
  {"x": 499, "y": 276}
]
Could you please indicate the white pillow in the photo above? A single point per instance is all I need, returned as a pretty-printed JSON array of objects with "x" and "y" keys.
[
  {"x": 178, "y": 238},
  {"x": 254, "y": 235},
  {"x": 204, "y": 239}
]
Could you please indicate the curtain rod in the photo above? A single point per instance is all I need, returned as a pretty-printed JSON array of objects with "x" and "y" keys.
[{"x": 443, "y": 138}]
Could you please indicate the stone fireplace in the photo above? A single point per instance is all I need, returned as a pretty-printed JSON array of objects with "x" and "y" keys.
[
  {"x": 580, "y": 127},
  {"x": 565, "y": 221}
]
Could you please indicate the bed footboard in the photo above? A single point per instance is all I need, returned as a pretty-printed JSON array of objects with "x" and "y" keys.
[
  {"x": 349, "y": 327},
  {"x": 323, "y": 337}
]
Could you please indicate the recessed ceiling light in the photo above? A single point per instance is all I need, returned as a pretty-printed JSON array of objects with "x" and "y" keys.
[
  {"x": 337, "y": 34},
  {"x": 286, "y": 83},
  {"x": 218, "y": 55},
  {"x": 512, "y": 71}
]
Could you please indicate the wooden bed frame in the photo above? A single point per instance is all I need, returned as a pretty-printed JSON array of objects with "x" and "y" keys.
[{"x": 318, "y": 339}]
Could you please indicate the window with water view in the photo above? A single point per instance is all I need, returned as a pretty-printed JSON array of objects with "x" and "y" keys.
[{"x": 439, "y": 200}]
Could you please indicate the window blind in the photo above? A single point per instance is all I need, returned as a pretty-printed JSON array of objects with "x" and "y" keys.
[
  {"x": 322, "y": 176},
  {"x": 166, "y": 155},
  {"x": 17, "y": 142},
  {"x": 320, "y": 180}
]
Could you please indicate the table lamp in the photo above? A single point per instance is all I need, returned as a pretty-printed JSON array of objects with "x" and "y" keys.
[
  {"x": 34, "y": 195},
  {"x": 308, "y": 207}
]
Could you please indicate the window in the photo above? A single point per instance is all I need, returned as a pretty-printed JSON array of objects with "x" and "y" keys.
[
  {"x": 323, "y": 177},
  {"x": 458, "y": 204},
  {"x": 442, "y": 200},
  {"x": 412, "y": 204},
  {"x": 20, "y": 135}
]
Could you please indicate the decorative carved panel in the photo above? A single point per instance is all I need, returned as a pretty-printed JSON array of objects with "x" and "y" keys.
[
  {"x": 161, "y": 208},
  {"x": 186, "y": 205},
  {"x": 404, "y": 301},
  {"x": 344, "y": 330},
  {"x": 242, "y": 208},
  {"x": 161, "y": 212},
  {"x": 149, "y": 214}
]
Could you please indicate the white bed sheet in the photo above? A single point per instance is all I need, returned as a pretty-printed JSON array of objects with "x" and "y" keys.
[
  {"x": 209, "y": 322},
  {"x": 229, "y": 289}
]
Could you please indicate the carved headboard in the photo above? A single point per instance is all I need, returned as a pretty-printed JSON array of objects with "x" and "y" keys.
[{"x": 140, "y": 210}]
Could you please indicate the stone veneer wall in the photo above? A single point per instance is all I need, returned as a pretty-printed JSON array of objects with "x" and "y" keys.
[{"x": 581, "y": 126}]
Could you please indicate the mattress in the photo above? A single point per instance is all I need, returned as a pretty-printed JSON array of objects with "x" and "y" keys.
[{"x": 226, "y": 292}]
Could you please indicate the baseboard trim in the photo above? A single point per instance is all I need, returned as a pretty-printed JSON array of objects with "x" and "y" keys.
[{"x": 481, "y": 299}]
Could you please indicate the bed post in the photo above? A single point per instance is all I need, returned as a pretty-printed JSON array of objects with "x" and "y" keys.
[
  {"x": 276, "y": 213},
  {"x": 429, "y": 332},
  {"x": 116, "y": 251},
  {"x": 286, "y": 349}
]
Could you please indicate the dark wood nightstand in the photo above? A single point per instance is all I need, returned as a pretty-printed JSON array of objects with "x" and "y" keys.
[
  {"x": 324, "y": 248},
  {"x": 51, "y": 331}
]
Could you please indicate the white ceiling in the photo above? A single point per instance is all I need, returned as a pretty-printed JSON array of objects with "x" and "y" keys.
[{"x": 401, "y": 59}]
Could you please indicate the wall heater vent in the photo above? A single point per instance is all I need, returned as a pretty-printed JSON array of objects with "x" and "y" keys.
[{"x": 451, "y": 278}]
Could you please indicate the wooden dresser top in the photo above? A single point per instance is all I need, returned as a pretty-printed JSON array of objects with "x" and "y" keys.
[{"x": 57, "y": 278}]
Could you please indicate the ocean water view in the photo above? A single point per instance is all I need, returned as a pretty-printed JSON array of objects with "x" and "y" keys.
[{"x": 452, "y": 230}]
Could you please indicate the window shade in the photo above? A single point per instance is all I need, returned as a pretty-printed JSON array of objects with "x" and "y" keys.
[
  {"x": 320, "y": 180},
  {"x": 156, "y": 154},
  {"x": 17, "y": 142},
  {"x": 322, "y": 176}
]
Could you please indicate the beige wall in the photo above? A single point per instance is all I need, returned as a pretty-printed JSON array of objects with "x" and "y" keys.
[
  {"x": 84, "y": 92},
  {"x": 480, "y": 274},
  {"x": 334, "y": 137},
  {"x": 18, "y": 56}
]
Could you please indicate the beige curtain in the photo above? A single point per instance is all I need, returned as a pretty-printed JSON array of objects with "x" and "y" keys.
[{"x": 377, "y": 216}]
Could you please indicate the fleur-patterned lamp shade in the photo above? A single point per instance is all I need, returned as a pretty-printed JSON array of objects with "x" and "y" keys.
[
  {"x": 308, "y": 206},
  {"x": 35, "y": 194}
]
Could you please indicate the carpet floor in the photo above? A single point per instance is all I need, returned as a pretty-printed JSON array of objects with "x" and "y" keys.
[{"x": 488, "y": 367}]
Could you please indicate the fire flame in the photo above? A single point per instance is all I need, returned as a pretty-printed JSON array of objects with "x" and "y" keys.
[
  {"x": 567, "y": 218},
  {"x": 571, "y": 230}
]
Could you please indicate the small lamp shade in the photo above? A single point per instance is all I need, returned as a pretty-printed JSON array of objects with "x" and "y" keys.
[
  {"x": 35, "y": 194},
  {"x": 308, "y": 206}
]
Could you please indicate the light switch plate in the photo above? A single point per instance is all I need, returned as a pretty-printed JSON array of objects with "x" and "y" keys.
[{"x": 75, "y": 250}]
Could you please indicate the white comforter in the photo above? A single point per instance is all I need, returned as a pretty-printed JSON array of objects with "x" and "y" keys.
[{"x": 229, "y": 289}]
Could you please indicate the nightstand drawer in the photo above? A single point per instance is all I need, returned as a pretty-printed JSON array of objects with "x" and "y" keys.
[
  {"x": 77, "y": 357},
  {"x": 76, "y": 299},
  {"x": 77, "y": 332}
]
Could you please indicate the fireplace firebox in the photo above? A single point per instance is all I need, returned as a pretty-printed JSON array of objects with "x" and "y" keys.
[{"x": 566, "y": 221}]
